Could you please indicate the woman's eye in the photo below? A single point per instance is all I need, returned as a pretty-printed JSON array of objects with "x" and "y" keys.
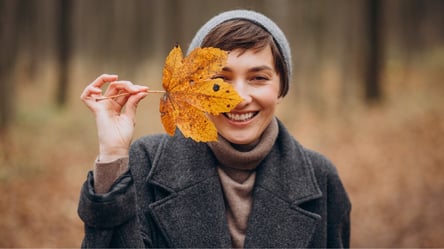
[
  {"x": 224, "y": 78},
  {"x": 259, "y": 78}
]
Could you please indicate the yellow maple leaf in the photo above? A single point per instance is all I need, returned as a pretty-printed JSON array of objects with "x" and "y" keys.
[{"x": 191, "y": 93}]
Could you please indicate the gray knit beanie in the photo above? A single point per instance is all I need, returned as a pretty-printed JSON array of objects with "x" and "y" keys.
[{"x": 255, "y": 17}]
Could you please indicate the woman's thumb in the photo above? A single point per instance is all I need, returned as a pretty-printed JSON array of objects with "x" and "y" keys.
[{"x": 133, "y": 102}]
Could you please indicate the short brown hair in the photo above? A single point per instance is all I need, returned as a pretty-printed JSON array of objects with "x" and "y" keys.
[{"x": 244, "y": 34}]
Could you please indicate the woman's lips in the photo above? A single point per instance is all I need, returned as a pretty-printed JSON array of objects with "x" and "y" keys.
[{"x": 240, "y": 117}]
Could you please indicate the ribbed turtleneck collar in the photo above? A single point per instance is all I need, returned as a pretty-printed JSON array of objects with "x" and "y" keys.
[{"x": 238, "y": 164}]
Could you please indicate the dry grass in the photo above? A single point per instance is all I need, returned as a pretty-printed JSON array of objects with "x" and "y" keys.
[{"x": 390, "y": 158}]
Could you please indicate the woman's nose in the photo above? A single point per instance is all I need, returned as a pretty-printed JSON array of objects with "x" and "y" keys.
[{"x": 242, "y": 89}]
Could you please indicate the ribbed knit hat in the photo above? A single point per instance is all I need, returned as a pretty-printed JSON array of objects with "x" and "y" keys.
[{"x": 255, "y": 17}]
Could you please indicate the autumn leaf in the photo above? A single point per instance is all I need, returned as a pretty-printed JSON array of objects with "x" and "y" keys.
[{"x": 191, "y": 94}]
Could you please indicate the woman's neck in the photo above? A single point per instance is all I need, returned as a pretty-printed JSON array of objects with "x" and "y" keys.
[
  {"x": 245, "y": 156},
  {"x": 245, "y": 147}
]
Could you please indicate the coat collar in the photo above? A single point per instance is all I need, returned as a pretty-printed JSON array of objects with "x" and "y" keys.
[
  {"x": 193, "y": 215},
  {"x": 284, "y": 180},
  {"x": 287, "y": 171}
]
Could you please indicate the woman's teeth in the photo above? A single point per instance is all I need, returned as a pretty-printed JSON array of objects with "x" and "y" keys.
[{"x": 240, "y": 117}]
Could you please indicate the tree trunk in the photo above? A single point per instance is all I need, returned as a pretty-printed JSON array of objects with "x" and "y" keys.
[
  {"x": 64, "y": 51},
  {"x": 373, "y": 77},
  {"x": 8, "y": 44}
]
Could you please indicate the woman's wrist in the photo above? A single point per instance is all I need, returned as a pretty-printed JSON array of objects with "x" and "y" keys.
[
  {"x": 109, "y": 158},
  {"x": 111, "y": 155}
]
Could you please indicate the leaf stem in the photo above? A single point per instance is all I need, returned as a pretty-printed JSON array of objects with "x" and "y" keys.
[{"x": 125, "y": 94}]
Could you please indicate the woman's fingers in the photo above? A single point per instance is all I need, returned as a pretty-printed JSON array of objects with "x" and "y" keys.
[
  {"x": 119, "y": 93},
  {"x": 117, "y": 87},
  {"x": 103, "y": 79},
  {"x": 132, "y": 103},
  {"x": 95, "y": 87}
]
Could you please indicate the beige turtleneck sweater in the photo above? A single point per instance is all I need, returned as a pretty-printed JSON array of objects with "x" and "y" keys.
[{"x": 237, "y": 173}]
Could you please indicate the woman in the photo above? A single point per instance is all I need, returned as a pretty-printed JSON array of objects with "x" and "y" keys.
[{"x": 255, "y": 187}]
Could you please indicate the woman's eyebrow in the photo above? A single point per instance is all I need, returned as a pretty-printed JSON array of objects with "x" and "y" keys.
[
  {"x": 260, "y": 68},
  {"x": 253, "y": 69}
]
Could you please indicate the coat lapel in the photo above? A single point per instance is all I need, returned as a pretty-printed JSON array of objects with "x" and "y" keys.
[
  {"x": 193, "y": 214},
  {"x": 284, "y": 180}
]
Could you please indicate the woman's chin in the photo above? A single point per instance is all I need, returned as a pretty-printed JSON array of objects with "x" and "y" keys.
[{"x": 239, "y": 138}]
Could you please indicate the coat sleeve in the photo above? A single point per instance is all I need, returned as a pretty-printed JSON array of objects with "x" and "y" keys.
[
  {"x": 118, "y": 218},
  {"x": 110, "y": 219}
]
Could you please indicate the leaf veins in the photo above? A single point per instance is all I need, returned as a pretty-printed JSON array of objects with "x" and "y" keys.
[{"x": 192, "y": 94}]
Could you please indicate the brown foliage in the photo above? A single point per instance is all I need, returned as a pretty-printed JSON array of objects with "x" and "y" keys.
[{"x": 393, "y": 172}]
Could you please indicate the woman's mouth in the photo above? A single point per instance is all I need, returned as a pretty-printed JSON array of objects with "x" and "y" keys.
[{"x": 240, "y": 117}]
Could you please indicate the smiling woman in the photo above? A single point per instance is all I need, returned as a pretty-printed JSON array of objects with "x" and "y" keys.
[
  {"x": 252, "y": 74},
  {"x": 256, "y": 186}
]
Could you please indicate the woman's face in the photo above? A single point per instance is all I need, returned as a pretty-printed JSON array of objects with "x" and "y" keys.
[{"x": 253, "y": 75}]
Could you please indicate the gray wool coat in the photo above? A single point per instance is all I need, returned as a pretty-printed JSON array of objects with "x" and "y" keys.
[{"x": 172, "y": 197}]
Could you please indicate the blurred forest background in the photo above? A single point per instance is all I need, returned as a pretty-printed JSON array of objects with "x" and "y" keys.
[{"x": 367, "y": 92}]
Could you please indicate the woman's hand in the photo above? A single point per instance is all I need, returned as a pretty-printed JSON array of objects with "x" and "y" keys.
[{"x": 115, "y": 126}]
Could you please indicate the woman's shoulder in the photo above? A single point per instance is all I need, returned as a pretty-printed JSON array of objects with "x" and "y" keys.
[
  {"x": 145, "y": 148},
  {"x": 320, "y": 162},
  {"x": 143, "y": 152},
  {"x": 149, "y": 141},
  {"x": 151, "y": 146},
  {"x": 325, "y": 171},
  {"x": 328, "y": 177}
]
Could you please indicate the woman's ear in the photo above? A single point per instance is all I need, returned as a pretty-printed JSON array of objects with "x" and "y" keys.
[{"x": 279, "y": 100}]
